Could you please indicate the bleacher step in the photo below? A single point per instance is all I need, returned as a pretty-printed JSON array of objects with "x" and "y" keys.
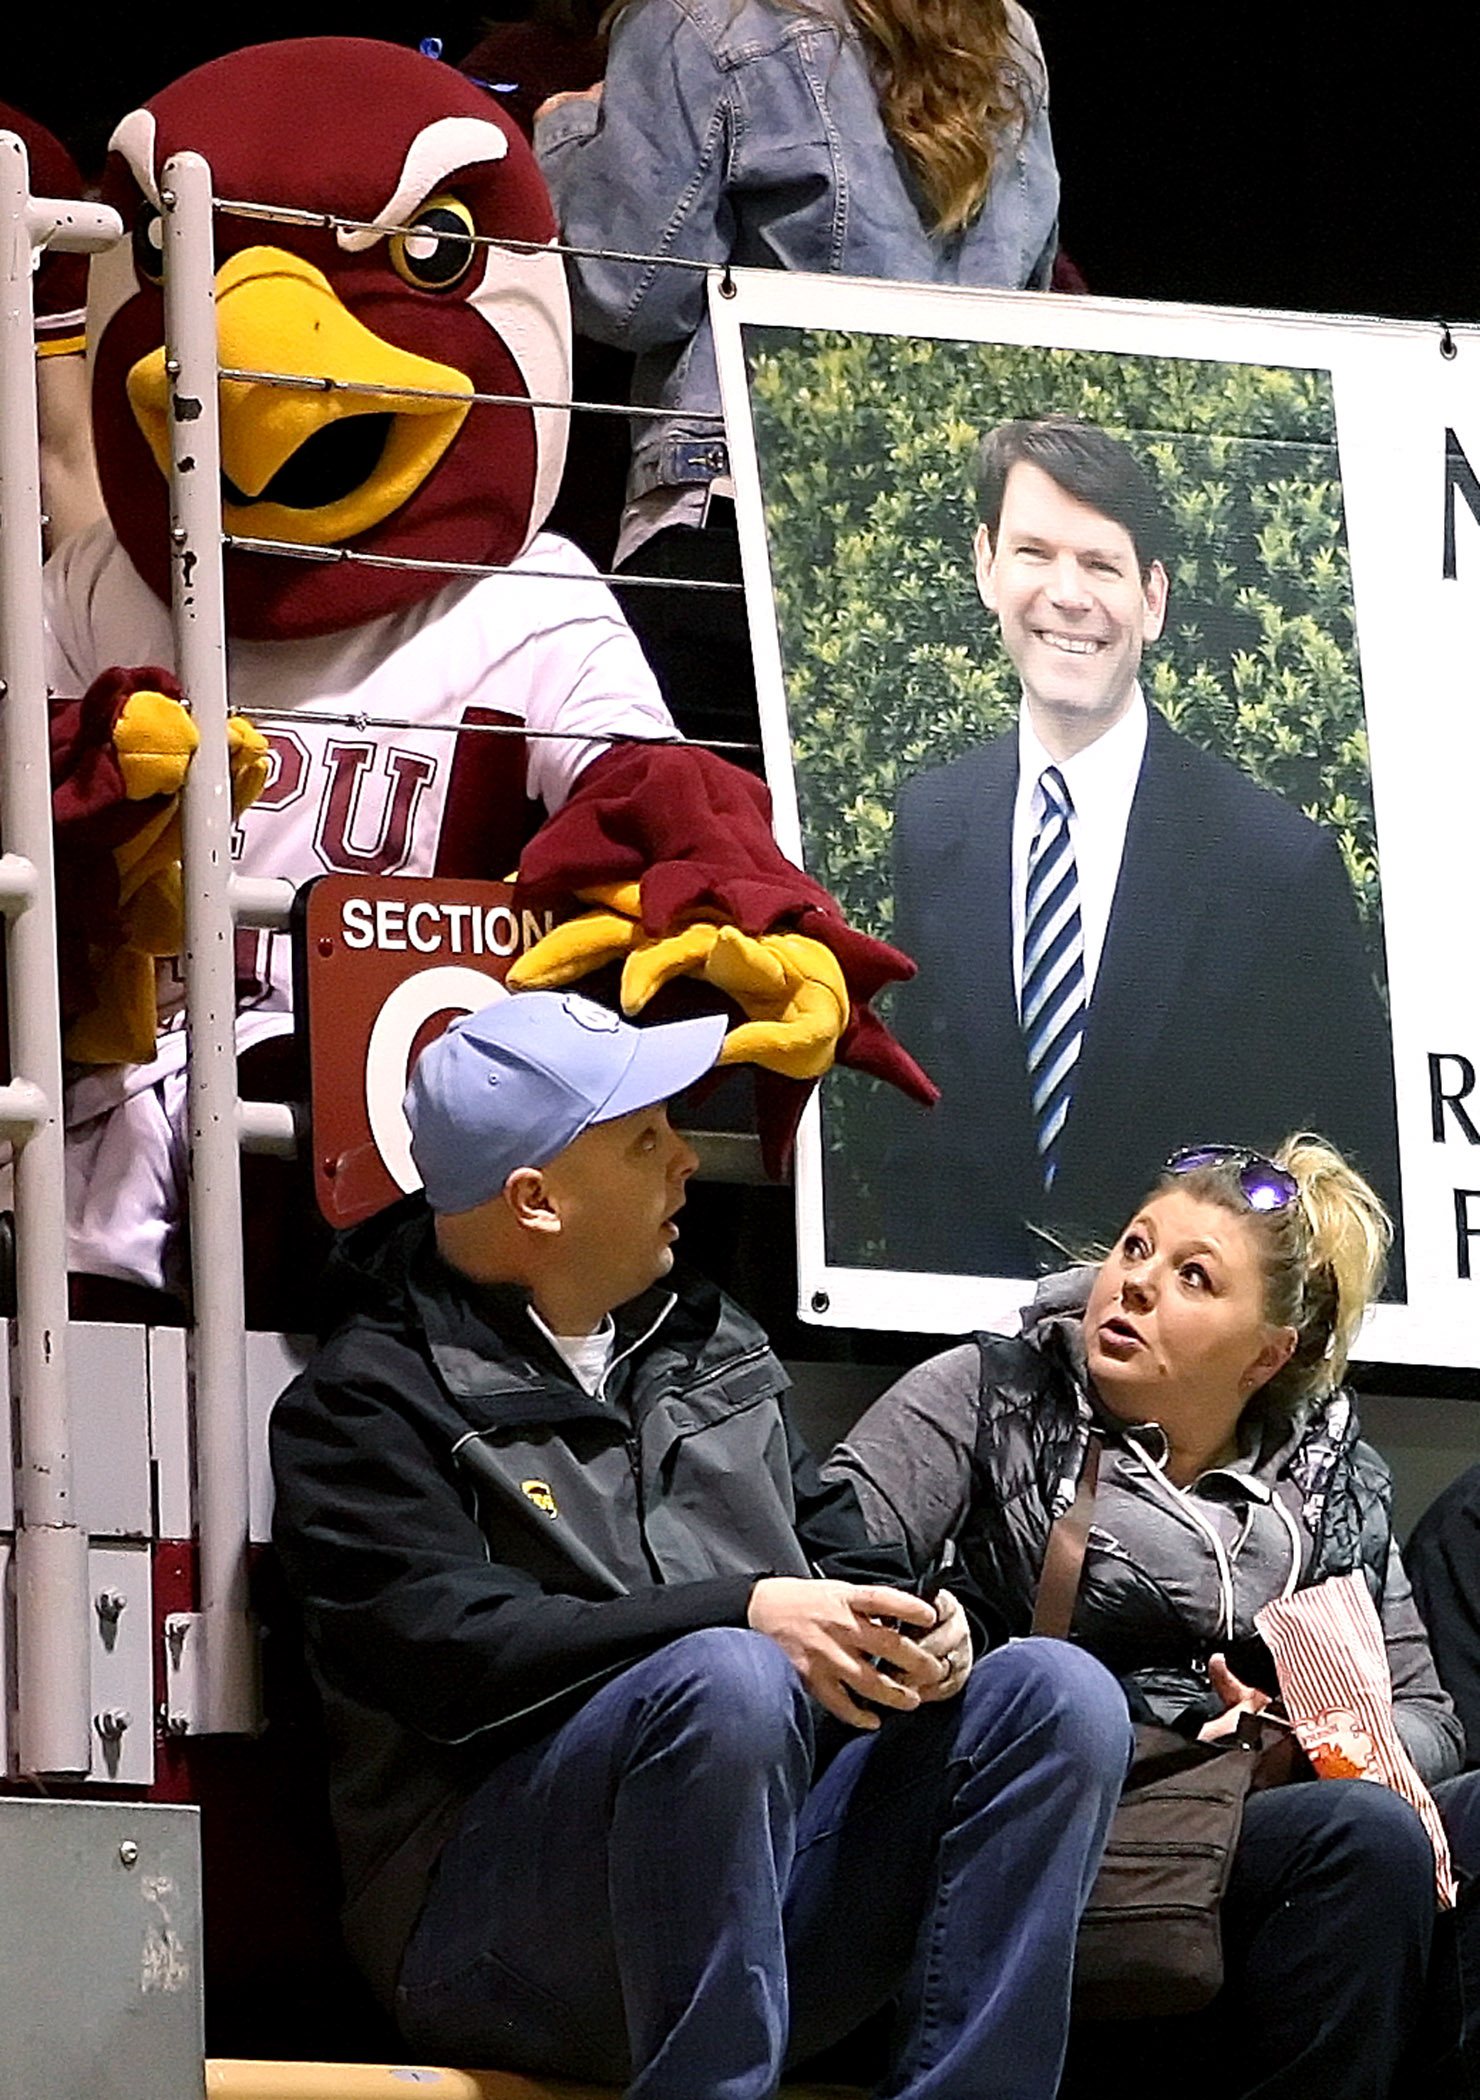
[{"x": 242, "y": 2078}]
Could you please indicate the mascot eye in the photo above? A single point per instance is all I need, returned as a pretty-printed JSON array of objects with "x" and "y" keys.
[
  {"x": 437, "y": 253},
  {"x": 149, "y": 244}
]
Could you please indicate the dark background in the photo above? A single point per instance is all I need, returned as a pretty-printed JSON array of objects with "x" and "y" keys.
[{"x": 1306, "y": 156}]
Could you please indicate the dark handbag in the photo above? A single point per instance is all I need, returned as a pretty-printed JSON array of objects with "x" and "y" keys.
[{"x": 1149, "y": 1941}]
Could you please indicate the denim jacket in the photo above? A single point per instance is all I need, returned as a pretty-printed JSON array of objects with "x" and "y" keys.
[{"x": 747, "y": 131}]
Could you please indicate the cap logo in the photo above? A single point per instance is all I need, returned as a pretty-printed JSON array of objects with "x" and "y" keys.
[
  {"x": 599, "y": 1019},
  {"x": 539, "y": 1494}
]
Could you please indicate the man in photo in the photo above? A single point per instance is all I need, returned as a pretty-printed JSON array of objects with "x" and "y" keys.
[{"x": 1124, "y": 944}]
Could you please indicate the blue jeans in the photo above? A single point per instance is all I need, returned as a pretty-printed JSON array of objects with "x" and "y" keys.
[{"x": 667, "y": 1892}]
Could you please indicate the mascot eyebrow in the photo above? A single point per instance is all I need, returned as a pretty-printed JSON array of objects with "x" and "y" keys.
[
  {"x": 450, "y": 143},
  {"x": 435, "y": 152},
  {"x": 134, "y": 138}
]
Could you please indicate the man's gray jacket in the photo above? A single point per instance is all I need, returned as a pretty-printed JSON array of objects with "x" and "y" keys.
[{"x": 477, "y": 1544}]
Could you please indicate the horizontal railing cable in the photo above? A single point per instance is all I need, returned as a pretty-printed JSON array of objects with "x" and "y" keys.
[
  {"x": 362, "y": 721},
  {"x": 290, "y": 215},
  {"x": 292, "y": 550},
  {"x": 335, "y": 222},
  {"x": 308, "y": 382}
]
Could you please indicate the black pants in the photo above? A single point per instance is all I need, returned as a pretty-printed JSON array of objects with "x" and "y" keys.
[
  {"x": 1342, "y": 1982},
  {"x": 698, "y": 642}
]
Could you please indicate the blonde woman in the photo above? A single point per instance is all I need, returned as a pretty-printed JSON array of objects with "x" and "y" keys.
[
  {"x": 1207, "y": 1352},
  {"x": 903, "y": 139}
]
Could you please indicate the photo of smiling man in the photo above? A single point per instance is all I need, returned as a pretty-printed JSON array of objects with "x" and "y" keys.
[{"x": 1123, "y": 942}]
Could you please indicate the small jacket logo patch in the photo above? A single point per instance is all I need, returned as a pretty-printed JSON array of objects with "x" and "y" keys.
[{"x": 539, "y": 1494}]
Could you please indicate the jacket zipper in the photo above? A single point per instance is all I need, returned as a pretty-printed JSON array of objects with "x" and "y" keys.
[
  {"x": 634, "y": 1462},
  {"x": 633, "y": 1346},
  {"x": 723, "y": 1370},
  {"x": 1220, "y": 1554},
  {"x": 633, "y": 1447},
  {"x": 630, "y": 1443},
  {"x": 1297, "y": 1551}
]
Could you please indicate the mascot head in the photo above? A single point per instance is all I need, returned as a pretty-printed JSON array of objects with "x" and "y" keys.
[{"x": 372, "y": 133}]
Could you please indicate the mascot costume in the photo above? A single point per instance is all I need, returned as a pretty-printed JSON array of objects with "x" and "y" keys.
[{"x": 405, "y": 180}]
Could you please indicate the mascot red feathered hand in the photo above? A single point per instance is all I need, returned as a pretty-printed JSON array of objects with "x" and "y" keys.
[
  {"x": 674, "y": 846},
  {"x": 410, "y": 290}
]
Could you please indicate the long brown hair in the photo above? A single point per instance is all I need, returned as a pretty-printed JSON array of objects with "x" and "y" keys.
[{"x": 953, "y": 80}]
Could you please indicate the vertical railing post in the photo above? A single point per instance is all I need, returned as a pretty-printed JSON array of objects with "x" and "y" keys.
[
  {"x": 50, "y": 1545},
  {"x": 228, "y": 1681}
]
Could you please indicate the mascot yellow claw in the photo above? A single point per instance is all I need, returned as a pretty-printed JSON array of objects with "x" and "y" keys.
[
  {"x": 116, "y": 797},
  {"x": 673, "y": 847},
  {"x": 790, "y": 988}
]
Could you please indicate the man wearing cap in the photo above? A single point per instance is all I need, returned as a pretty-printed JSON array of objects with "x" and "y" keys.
[{"x": 647, "y": 1767}]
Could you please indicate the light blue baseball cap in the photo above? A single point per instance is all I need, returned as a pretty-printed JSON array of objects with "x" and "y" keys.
[{"x": 514, "y": 1084}]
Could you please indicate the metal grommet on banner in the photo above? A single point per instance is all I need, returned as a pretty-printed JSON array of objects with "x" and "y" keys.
[
  {"x": 1448, "y": 347},
  {"x": 727, "y": 284}
]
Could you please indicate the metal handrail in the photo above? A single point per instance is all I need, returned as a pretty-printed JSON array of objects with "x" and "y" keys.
[
  {"x": 222, "y": 1469},
  {"x": 52, "y": 1659},
  {"x": 52, "y": 1617},
  {"x": 220, "y": 1124}
]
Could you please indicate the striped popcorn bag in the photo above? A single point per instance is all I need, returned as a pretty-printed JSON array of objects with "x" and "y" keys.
[{"x": 1333, "y": 1670}]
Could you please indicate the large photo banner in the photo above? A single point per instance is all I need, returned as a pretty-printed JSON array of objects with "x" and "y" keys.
[{"x": 1121, "y": 663}]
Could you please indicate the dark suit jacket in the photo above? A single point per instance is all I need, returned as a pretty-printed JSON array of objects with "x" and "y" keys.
[{"x": 1234, "y": 1001}]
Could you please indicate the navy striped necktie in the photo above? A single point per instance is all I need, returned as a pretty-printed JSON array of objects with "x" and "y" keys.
[{"x": 1052, "y": 1002}]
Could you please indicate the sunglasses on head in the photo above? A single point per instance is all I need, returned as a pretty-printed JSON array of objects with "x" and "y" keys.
[{"x": 1264, "y": 1186}]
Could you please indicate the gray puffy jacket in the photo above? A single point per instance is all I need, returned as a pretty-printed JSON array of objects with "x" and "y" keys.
[{"x": 984, "y": 1445}]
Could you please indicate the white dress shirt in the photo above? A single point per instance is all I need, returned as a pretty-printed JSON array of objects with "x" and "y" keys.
[{"x": 1101, "y": 780}]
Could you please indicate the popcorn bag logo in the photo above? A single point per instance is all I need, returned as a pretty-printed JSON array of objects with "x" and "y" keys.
[{"x": 1337, "y": 1745}]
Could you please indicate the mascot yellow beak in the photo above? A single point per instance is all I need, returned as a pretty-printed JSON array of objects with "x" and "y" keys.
[{"x": 313, "y": 468}]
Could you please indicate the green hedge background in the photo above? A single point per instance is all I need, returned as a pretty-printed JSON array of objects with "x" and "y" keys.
[{"x": 867, "y": 447}]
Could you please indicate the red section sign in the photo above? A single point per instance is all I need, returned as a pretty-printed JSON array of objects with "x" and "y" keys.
[{"x": 388, "y": 962}]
